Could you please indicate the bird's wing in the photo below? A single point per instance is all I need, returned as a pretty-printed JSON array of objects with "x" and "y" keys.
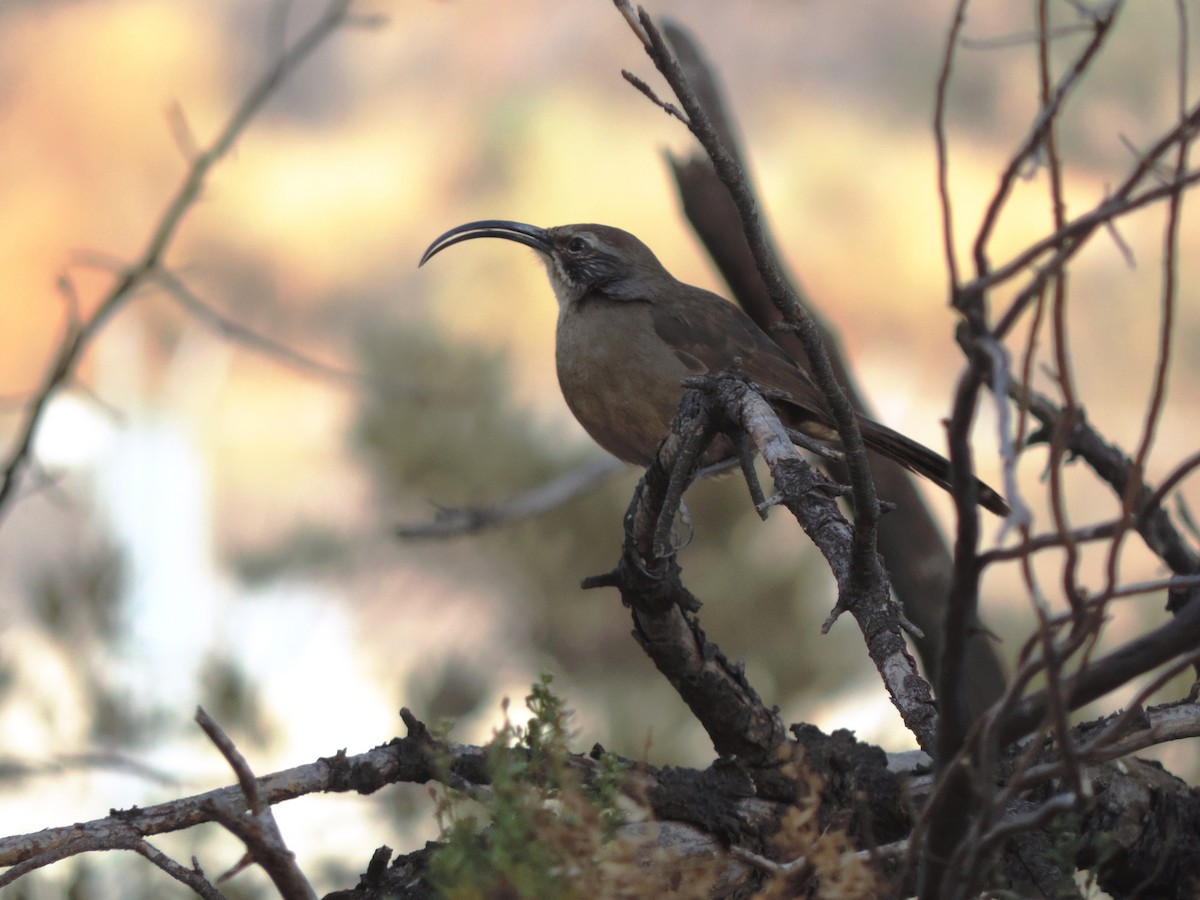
[{"x": 708, "y": 333}]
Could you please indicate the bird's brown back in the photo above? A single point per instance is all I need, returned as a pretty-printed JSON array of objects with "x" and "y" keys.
[{"x": 709, "y": 334}]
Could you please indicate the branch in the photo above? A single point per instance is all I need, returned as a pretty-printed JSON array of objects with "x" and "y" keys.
[
  {"x": 913, "y": 549},
  {"x": 962, "y": 600},
  {"x": 454, "y": 521},
  {"x": 1151, "y": 521},
  {"x": 193, "y": 878},
  {"x": 1136, "y": 657},
  {"x": 414, "y": 759},
  {"x": 227, "y": 328},
  {"x": 940, "y": 143},
  {"x": 696, "y": 814},
  {"x": 1067, "y": 241},
  {"x": 730, "y": 711},
  {"x": 1052, "y": 104},
  {"x": 866, "y": 504},
  {"x": 257, "y": 830},
  {"x": 716, "y": 690}
]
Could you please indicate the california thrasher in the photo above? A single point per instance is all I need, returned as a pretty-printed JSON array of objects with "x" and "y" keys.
[{"x": 629, "y": 333}]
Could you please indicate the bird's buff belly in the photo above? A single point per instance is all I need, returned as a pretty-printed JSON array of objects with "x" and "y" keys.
[{"x": 626, "y": 407}]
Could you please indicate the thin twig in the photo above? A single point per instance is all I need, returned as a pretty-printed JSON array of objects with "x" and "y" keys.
[
  {"x": 1145, "y": 587},
  {"x": 558, "y": 491},
  {"x": 669, "y": 108},
  {"x": 941, "y": 145},
  {"x": 1158, "y": 392},
  {"x": 1113, "y": 466},
  {"x": 227, "y": 328},
  {"x": 233, "y": 756},
  {"x": 1065, "y": 243},
  {"x": 193, "y": 878},
  {"x": 1042, "y": 130},
  {"x": 256, "y": 828},
  {"x": 1031, "y": 544},
  {"x": 1169, "y": 483}
]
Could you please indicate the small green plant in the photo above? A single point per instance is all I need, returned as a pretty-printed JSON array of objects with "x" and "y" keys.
[{"x": 540, "y": 828}]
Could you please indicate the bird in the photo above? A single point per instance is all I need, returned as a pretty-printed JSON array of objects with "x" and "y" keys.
[{"x": 629, "y": 333}]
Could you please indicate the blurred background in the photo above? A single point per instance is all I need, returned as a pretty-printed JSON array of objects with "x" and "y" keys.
[{"x": 211, "y": 523}]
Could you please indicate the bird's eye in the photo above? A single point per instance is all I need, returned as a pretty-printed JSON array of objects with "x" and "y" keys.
[{"x": 577, "y": 245}]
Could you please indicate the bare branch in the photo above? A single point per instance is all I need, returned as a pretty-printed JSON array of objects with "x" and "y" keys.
[
  {"x": 909, "y": 539},
  {"x": 940, "y": 144},
  {"x": 1113, "y": 466},
  {"x": 1066, "y": 242},
  {"x": 193, "y": 878},
  {"x": 258, "y": 830},
  {"x": 454, "y": 521},
  {"x": 233, "y": 756},
  {"x": 1052, "y": 103},
  {"x": 1175, "y": 582},
  {"x": 1173, "y": 722},
  {"x": 227, "y": 328},
  {"x": 1182, "y": 470},
  {"x": 37, "y": 853},
  {"x": 716, "y": 690},
  {"x": 669, "y": 108},
  {"x": 866, "y": 504},
  {"x": 1154, "y": 409},
  {"x": 1136, "y": 657},
  {"x": 649, "y": 583}
]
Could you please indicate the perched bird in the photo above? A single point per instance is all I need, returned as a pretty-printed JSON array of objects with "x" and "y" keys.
[{"x": 629, "y": 333}]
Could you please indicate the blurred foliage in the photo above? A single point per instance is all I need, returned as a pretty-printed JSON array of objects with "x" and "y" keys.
[
  {"x": 230, "y": 697},
  {"x": 452, "y": 691},
  {"x": 116, "y": 718},
  {"x": 307, "y": 547},
  {"x": 453, "y": 433},
  {"x": 79, "y": 601}
]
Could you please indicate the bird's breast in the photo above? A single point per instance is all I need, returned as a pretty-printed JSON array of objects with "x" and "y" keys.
[{"x": 621, "y": 381}]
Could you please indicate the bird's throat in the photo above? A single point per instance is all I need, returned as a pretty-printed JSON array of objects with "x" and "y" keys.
[{"x": 566, "y": 292}]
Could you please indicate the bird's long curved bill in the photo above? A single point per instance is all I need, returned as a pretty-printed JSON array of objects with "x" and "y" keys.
[{"x": 529, "y": 235}]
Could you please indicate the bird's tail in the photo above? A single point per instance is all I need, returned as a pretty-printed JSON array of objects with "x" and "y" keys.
[{"x": 923, "y": 461}]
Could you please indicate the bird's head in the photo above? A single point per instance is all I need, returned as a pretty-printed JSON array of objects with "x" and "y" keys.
[{"x": 580, "y": 259}]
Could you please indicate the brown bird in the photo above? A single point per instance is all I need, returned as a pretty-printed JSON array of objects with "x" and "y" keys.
[{"x": 629, "y": 333}]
